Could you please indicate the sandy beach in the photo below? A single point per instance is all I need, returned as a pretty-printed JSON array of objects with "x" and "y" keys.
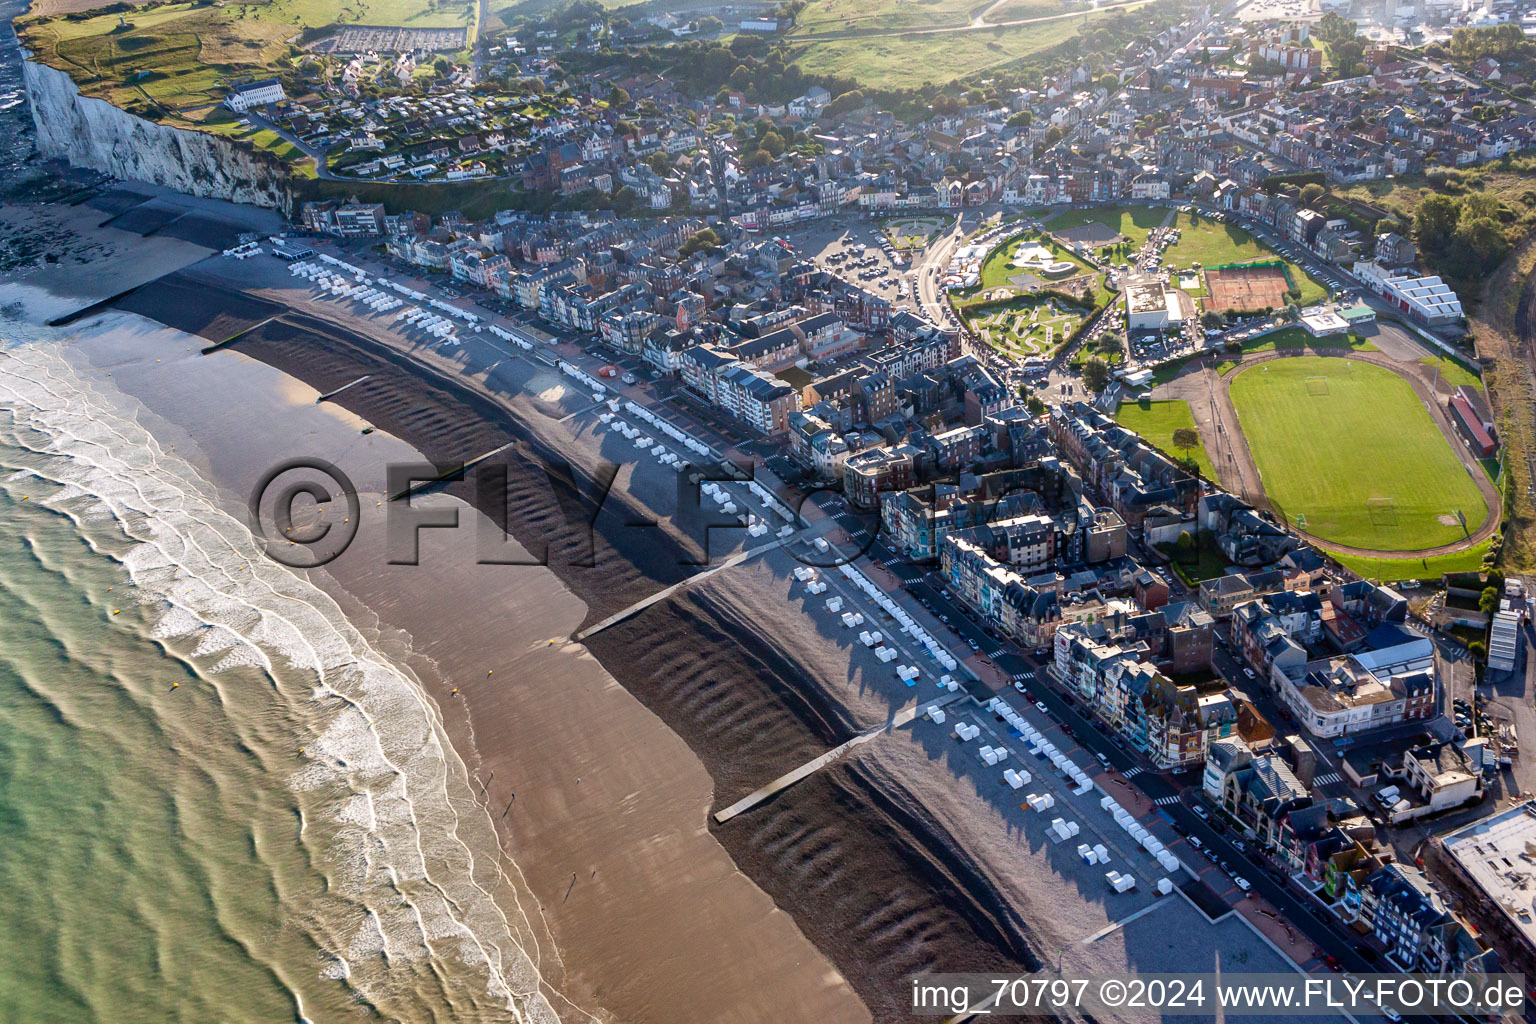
[
  {"x": 647, "y": 917},
  {"x": 898, "y": 859}
]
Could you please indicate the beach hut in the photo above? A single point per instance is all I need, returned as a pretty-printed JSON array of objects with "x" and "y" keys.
[{"x": 1013, "y": 778}]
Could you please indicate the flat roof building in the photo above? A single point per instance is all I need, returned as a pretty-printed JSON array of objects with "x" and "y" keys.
[
  {"x": 1497, "y": 854},
  {"x": 1150, "y": 304},
  {"x": 1425, "y": 298}
]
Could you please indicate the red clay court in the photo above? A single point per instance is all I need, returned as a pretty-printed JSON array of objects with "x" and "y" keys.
[{"x": 1246, "y": 288}]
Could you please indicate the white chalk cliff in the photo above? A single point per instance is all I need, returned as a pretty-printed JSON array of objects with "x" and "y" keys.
[{"x": 93, "y": 133}]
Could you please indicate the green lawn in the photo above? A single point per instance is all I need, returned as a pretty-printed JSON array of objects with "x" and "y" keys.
[
  {"x": 996, "y": 269},
  {"x": 1211, "y": 243},
  {"x": 1297, "y": 338},
  {"x": 1156, "y": 422},
  {"x": 1347, "y": 445},
  {"x": 1391, "y": 570},
  {"x": 1134, "y": 222},
  {"x": 1024, "y": 327},
  {"x": 1453, "y": 372}
]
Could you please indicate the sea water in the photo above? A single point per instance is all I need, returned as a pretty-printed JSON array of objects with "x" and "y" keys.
[{"x": 218, "y": 801}]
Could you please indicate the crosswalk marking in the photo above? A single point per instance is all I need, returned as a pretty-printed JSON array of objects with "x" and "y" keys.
[
  {"x": 1164, "y": 801},
  {"x": 1133, "y": 771},
  {"x": 1328, "y": 780}
]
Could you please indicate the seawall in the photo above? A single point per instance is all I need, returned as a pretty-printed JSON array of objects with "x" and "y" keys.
[{"x": 93, "y": 133}]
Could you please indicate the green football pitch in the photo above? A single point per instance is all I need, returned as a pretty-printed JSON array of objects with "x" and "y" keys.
[{"x": 1348, "y": 453}]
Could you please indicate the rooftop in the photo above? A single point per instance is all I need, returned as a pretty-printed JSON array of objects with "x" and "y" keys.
[{"x": 1499, "y": 854}]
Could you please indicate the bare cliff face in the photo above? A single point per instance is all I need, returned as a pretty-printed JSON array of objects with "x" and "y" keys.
[{"x": 93, "y": 133}]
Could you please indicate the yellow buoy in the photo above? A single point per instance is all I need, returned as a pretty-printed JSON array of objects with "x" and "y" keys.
[
  {"x": 174, "y": 685},
  {"x": 116, "y": 611}
]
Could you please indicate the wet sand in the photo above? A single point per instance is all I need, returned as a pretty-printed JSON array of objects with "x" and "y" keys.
[
  {"x": 747, "y": 700},
  {"x": 893, "y": 861},
  {"x": 90, "y": 260},
  {"x": 646, "y": 916}
]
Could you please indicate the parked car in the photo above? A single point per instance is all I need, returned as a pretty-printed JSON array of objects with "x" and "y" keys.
[{"x": 1201, "y": 813}]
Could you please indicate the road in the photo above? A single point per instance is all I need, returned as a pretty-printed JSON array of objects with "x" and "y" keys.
[
  {"x": 314, "y": 153},
  {"x": 1172, "y": 798}
]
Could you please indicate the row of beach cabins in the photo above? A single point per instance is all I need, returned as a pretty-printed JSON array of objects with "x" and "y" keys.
[{"x": 1062, "y": 829}]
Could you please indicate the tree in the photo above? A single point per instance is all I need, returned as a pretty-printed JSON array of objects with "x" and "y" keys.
[
  {"x": 1211, "y": 320},
  {"x": 1389, "y": 225},
  {"x": 1110, "y": 345},
  {"x": 773, "y": 142},
  {"x": 1310, "y": 194},
  {"x": 625, "y": 200},
  {"x": 704, "y": 238},
  {"x": 1095, "y": 374},
  {"x": 1434, "y": 221},
  {"x": 1109, "y": 81},
  {"x": 1478, "y": 650},
  {"x": 618, "y": 98},
  {"x": 1186, "y": 440},
  {"x": 849, "y": 101},
  {"x": 1185, "y": 543},
  {"x": 1488, "y": 601}
]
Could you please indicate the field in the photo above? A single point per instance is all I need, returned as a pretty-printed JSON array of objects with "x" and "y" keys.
[
  {"x": 1025, "y": 327},
  {"x": 910, "y": 59},
  {"x": 1211, "y": 242},
  {"x": 1156, "y": 422},
  {"x": 823, "y": 16},
  {"x": 1246, "y": 289},
  {"x": 1347, "y": 446},
  {"x": 177, "y": 58}
]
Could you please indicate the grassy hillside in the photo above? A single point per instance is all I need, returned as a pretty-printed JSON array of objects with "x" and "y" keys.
[
  {"x": 169, "y": 60},
  {"x": 864, "y": 48}
]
